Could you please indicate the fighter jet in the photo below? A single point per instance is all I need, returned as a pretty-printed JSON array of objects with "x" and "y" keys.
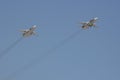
[
  {"x": 29, "y": 32},
  {"x": 91, "y": 23}
]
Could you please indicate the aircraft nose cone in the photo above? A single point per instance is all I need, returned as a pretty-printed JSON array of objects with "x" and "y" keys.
[
  {"x": 34, "y": 26},
  {"x": 96, "y": 18}
]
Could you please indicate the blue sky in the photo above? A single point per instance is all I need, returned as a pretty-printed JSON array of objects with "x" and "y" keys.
[{"x": 91, "y": 55}]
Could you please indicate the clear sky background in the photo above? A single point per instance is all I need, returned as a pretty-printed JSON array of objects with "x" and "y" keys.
[{"x": 92, "y": 54}]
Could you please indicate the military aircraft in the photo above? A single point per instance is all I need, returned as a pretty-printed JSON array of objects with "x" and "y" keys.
[
  {"x": 91, "y": 23},
  {"x": 29, "y": 32}
]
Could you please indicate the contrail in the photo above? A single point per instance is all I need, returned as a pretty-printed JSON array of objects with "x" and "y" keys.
[
  {"x": 64, "y": 42},
  {"x": 4, "y": 52},
  {"x": 36, "y": 61}
]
